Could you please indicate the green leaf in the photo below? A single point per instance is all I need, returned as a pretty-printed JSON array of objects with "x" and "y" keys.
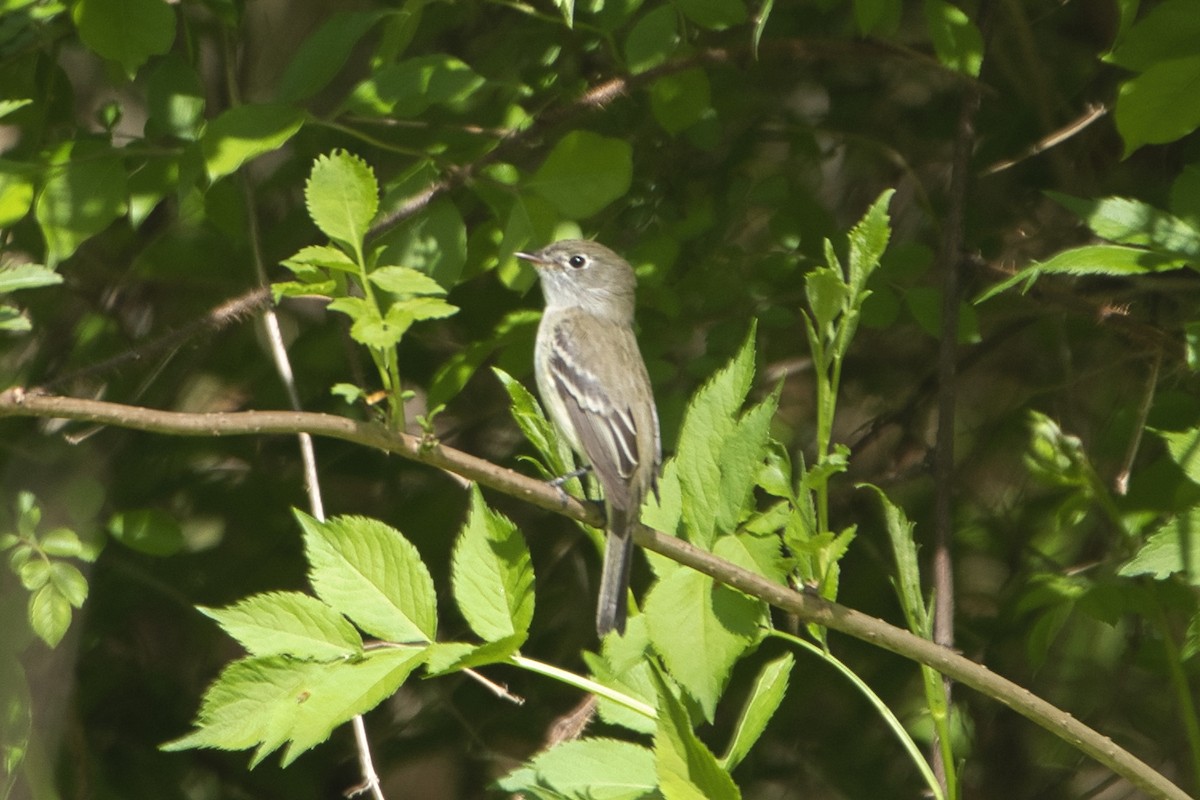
[
  {"x": 680, "y": 100},
  {"x": 742, "y": 454},
  {"x": 1127, "y": 221},
  {"x": 288, "y": 624},
  {"x": 369, "y": 572},
  {"x": 174, "y": 99},
  {"x": 148, "y": 531},
  {"x": 79, "y": 199},
  {"x": 34, "y": 574},
  {"x": 49, "y": 614},
  {"x": 1184, "y": 449},
  {"x": 61, "y": 542},
  {"x": 868, "y": 241},
  {"x": 1097, "y": 259},
  {"x": 323, "y": 54},
  {"x": 149, "y": 183},
  {"x": 714, "y": 14},
  {"x": 16, "y": 191},
  {"x": 514, "y": 328},
  {"x": 720, "y": 622},
  {"x": 409, "y": 88},
  {"x": 908, "y": 571},
  {"x": 245, "y": 133},
  {"x": 598, "y": 769},
  {"x": 1158, "y": 106},
  {"x": 447, "y": 657},
  {"x": 956, "y": 39},
  {"x": 11, "y": 105},
  {"x": 1168, "y": 30},
  {"x": 828, "y": 296},
  {"x": 653, "y": 39},
  {"x": 405, "y": 280},
  {"x": 492, "y": 574},
  {"x": 1173, "y": 547},
  {"x": 765, "y": 697},
  {"x": 584, "y": 173},
  {"x": 69, "y": 582},
  {"x": 433, "y": 242},
  {"x": 710, "y": 419},
  {"x": 323, "y": 256},
  {"x": 126, "y": 31},
  {"x": 528, "y": 415},
  {"x": 342, "y": 197},
  {"x": 14, "y": 277},
  {"x": 269, "y": 701},
  {"x": 686, "y": 769}
]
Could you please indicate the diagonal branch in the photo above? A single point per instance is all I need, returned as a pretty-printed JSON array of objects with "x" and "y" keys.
[{"x": 808, "y": 607}]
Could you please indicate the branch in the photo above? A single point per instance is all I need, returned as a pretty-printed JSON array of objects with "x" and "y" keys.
[{"x": 17, "y": 402}]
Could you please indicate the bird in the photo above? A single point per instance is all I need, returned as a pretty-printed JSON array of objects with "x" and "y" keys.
[{"x": 593, "y": 381}]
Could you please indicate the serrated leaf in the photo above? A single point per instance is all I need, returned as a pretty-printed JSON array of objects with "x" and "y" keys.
[
  {"x": 685, "y": 768},
  {"x": 528, "y": 415},
  {"x": 765, "y": 697},
  {"x": 405, "y": 280},
  {"x": 1184, "y": 448},
  {"x": 245, "y": 132},
  {"x": 324, "y": 256},
  {"x": 720, "y": 622},
  {"x": 599, "y": 769},
  {"x": 445, "y": 657},
  {"x": 663, "y": 510},
  {"x": 342, "y": 196},
  {"x": 1102, "y": 259},
  {"x": 49, "y": 614},
  {"x": 908, "y": 574},
  {"x": 369, "y": 572},
  {"x": 868, "y": 241},
  {"x": 742, "y": 454},
  {"x": 492, "y": 574},
  {"x": 265, "y": 702},
  {"x": 1157, "y": 106},
  {"x": 584, "y": 173},
  {"x": 710, "y": 418},
  {"x": 1173, "y": 547},
  {"x": 61, "y": 542},
  {"x": 69, "y": 582},
  {"x": 288, "y": 623},
  {"x": 126, "y": 31},
  {"x": 1127, "y": 221}
]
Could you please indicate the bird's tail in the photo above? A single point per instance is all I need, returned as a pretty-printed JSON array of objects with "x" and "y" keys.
[{"x": 613, "y": 604}]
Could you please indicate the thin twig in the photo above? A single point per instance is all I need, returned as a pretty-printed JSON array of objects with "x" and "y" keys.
[
  {"x": 1121, "y": 483},
  {"x": 808, "y": 607},
  {"x": 1094, "y": 112}
]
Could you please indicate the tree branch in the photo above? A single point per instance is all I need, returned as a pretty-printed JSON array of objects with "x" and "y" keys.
[{"x": 17, "y": 402}]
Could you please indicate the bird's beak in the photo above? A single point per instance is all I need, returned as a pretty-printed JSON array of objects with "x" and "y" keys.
[{"x": 532, "y": 258}]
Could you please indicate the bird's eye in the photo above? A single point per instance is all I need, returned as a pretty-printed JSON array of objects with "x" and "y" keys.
[{"x": 577, "y": 261}]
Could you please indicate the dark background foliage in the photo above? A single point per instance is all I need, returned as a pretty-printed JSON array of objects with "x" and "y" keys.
[{"x": 743, "y": 160}]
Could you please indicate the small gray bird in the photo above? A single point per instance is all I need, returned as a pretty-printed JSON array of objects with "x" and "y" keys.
[{"x": 593, "y": 380}]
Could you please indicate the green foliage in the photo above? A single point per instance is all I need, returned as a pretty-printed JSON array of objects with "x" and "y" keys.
[
  {"x": 39, "y": 560},
  {"x": 155, "y": 163}
]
